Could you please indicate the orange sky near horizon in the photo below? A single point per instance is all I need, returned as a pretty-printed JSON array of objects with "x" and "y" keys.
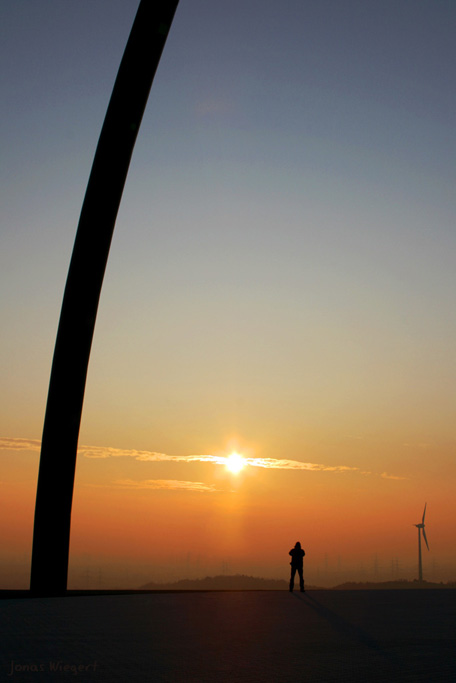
[{"x": 130, "y": 513}]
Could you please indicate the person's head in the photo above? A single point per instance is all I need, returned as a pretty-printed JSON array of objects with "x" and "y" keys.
[{"x": 298, "y": 545}]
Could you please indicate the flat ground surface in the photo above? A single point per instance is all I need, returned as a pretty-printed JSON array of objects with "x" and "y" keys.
[{"x": 231, "y": 636}]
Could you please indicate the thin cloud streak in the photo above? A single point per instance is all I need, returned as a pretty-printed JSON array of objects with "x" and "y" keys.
[
  {"x": 166, "y": 484},
  {"x": 279, "y": 464},
  {"x": 153, "y": 456},
  {"x": 20, "y": 444},
  {"x": 385, "y": 475},
  {"x": 17, "y": 444}
]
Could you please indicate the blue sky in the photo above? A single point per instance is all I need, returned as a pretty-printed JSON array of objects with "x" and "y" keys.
[{"x": 291, "y": 193}]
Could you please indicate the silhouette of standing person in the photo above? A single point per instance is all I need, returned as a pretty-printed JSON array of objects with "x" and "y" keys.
[{"x": 297, "y": 557}]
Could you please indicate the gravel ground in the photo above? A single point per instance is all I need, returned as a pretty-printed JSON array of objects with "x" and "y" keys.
[{"x": 246, "y": 636}]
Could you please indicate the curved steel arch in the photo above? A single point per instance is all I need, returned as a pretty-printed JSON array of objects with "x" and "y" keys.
[{"x": 51, "y": 537}]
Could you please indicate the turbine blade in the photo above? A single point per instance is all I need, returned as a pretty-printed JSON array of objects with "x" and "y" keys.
[
  {"x": 424, "y": 512},
  {"x": 425, "y": 539}
]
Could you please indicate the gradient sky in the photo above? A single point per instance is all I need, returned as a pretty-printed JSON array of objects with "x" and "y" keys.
[{"x": 281, "y": 283}]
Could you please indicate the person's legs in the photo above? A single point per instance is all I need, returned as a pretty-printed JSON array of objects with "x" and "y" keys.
[
  {"x": 301, "y": 580},
  {"x": 293, "y": 572}
]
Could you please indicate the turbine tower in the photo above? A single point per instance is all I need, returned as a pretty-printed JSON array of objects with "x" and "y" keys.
[{"x": 420, "y": 528}]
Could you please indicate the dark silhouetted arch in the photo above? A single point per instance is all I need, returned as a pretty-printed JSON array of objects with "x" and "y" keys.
[{"x": 82, "y": 292}]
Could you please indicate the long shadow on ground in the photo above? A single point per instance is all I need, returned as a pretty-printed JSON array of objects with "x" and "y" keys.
[{"x": 346, "y": 628}]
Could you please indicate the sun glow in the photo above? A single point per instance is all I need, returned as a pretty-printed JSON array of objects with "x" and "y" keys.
[{"x": 235, "y": 463}]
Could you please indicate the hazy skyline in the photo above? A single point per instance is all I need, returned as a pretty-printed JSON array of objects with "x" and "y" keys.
[{"x": 280, "y": 284}]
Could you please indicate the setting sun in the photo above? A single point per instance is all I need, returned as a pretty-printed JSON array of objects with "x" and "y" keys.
[{"x": 235, "y": 463}]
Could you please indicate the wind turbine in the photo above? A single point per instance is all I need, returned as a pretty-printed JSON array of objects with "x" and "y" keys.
[{"x": 420, "y": 528}]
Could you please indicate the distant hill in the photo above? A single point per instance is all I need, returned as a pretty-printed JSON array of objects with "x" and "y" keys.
[
  {"x": 392, "y": 585},
  {"x": 239, "y": 582}
]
